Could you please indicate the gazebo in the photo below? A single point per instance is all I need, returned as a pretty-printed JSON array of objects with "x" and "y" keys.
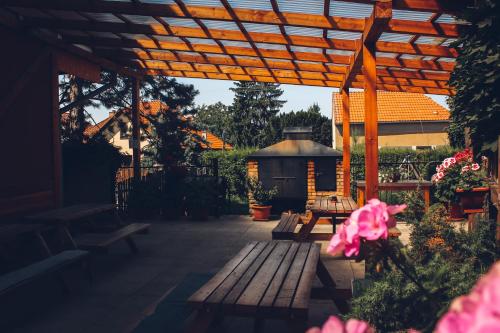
[{"x": 398, "y": 45}]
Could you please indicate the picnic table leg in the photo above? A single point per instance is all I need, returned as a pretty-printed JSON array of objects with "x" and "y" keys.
[
  {"x": 201, "y": 322},
  {"x": 330, "y": 287},
  {"x": 66, "y": 235},
  {"x": 306, "y": 229},
  {"x": 297, "y": 325},
  {"x": 43, "y": 244}
]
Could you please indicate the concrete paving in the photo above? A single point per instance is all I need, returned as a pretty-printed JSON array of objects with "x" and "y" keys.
[{"x": 127, "y": 286}]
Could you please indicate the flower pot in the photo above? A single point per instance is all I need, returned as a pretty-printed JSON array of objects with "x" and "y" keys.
[
  {"x": 473, "y": 199},
  {"x": 455, "y": 211},
  {"x": 261, "y": 213}
]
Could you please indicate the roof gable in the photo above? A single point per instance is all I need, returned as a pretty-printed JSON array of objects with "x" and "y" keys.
[{"x": 393, "y": 107}]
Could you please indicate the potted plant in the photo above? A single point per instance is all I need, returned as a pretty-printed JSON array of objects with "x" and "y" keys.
[
  {"x": 460, "y": 180},
  {"x": 262, "y": 198}
]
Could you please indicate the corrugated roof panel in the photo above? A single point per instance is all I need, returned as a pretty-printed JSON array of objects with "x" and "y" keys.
[
  {"x": 395, "y": 37},
  {"x": 306, "y": 7},
  {"x": 350, "y": 9},
  {"x": 264, "y": 28},
  {"x": 411, "y": 15},
  {"x": 300, "y": 31},
  {"x": 220, "y": 25},
  {"x": 251, "y": 4}
]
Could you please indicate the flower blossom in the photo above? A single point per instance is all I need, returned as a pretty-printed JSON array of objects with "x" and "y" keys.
[
  {"x": 372, "y": 222},
  {"x": 335, "y": 325},
  {"x": 465, "y": 168},
  {"x": 477, "y": 312},
  {"x": 475, "y": 167}
]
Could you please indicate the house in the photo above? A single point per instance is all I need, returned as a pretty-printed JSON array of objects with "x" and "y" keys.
[
  {"x": 116, "y": 128},
  {"x": 404, "y": 120}
]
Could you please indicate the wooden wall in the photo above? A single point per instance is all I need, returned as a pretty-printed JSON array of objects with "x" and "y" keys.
[{"x": 29, "y": 126}]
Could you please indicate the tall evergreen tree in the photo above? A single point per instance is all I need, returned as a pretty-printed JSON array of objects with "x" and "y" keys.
[
  {"x": 321, "y": 125},
  {"x": 254, "y": 104}
]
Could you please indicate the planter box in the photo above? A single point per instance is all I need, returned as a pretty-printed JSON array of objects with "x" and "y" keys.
[{"x": 473, "y": 201}]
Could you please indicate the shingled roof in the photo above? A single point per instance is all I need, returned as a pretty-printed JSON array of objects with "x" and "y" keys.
[{"x": 393, "y": 107}]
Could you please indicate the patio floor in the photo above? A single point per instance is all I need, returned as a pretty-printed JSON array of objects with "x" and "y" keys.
[{"x": 127, "y": 286}]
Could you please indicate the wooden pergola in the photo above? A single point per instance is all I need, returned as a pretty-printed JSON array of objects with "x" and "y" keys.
[{"x": 394, "y": 45}]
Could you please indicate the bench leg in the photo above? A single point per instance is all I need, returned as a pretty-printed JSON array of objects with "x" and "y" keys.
[
  {"x": 64, "y": 285},
  {"x": 330, "y": 287},
  {"x": 131, "y": 244},
  {"x": 258, "y": 325},
  {"x": 201, "y": 322},
  {"x": 87, "y": 270},
  {"x": 297, "y": 325}
]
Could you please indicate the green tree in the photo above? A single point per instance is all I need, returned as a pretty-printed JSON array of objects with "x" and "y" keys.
[
  {"x": 214, "y": 118},
  {"x": 321, "y": 125},
  {"x": 476, "y": 77},
  {"x": 254, "y": 105}
]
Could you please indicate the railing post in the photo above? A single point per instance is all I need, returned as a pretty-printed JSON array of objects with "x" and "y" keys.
[
  {"x": 136, "y": 131},
  {"x": 346, "y": 141}
]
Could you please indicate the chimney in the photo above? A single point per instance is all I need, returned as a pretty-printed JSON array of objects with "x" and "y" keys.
[{"x": 297, "y": 133}]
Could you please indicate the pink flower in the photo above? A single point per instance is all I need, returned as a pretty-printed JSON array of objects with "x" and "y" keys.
[
  {"x": 465, "y": 168},
  {"x": 475, "y": 167},
  {"x": 477, "y": 312},
  {"x": 346, "y": 239},
  {"x": 335, "y": 325},
  {"x": 446, "y": 163},
  {"x": 452, "y": 160},
  {"x": 371, "y": 222}
]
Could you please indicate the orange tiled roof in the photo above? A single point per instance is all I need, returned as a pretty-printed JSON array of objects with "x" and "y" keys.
[
  {"x": 393, "y": 107},
  {"x": 153, "y": 108}
]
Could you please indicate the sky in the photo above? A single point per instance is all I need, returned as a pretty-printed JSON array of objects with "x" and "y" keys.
[{"x": 297, "y": 97}]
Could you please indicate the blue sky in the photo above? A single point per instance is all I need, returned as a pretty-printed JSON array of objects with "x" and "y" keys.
[{"x": 297, "y": 97}]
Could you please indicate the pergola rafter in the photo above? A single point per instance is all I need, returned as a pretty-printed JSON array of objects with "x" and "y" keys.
[{"x": 394, "y": 45}]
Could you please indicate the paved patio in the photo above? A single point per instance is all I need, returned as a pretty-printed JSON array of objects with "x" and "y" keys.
[{"x": 127, "y": 286}]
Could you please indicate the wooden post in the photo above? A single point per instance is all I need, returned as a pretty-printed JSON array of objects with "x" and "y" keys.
[
  {"x": 136, "y": 130},
  {"x": 56, "y": 136},
  {"x": 346, "y": 141},
  {"x": 371, "y": 119}
]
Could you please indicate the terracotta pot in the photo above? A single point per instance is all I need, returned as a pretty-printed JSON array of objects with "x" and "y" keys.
[
  {"x": 455, "y": 211},
  {"x": 261, "y": 213},
  {"x": 473, "y": 199}
]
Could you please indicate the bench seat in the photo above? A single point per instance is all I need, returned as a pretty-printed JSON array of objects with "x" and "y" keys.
[
  {"x": 46, "y": 266},
  {"x": 101, "y": 241},
  {"x": 285, "y": 230}
]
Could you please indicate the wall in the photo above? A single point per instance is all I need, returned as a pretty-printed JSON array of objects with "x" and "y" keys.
[
  {"x": 400, "y": 135},
  {"x": 253, "y": 171},
  {"x": 29, "y": 127}
]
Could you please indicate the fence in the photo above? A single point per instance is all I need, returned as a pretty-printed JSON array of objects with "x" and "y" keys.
[
  {"x": 158, "y": 177},
  {"x": 394, "y": 169}
]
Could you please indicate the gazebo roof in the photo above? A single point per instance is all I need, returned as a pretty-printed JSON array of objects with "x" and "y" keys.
[
  {"x": 296, "y": 148},
  {"x": 314, "y": 42}
]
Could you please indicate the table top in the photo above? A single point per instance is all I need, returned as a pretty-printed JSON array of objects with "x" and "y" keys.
[
  {"x": 71, "y": 213},
  {"x": 326, "y": 205},
  {"x": 272, "y": 278}
]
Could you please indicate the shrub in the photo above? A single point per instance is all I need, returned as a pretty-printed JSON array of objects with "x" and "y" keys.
[
  {"x": 445, "y": 261},
  {"x": 232, "y": 168}
]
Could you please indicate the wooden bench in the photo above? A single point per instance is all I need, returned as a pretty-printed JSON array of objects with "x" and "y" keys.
[
  {"x": 285, "y": 229},
  {"x": 102, "y": 241},
  {"x": 265, "y": 280},
  {"x": 50, "y": 265}
]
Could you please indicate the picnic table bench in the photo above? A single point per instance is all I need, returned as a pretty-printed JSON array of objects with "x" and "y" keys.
[
  {"x": 265, "y": 280},
  {"x": 50, "y": 265},
  {"x": 93, "y": 241}
]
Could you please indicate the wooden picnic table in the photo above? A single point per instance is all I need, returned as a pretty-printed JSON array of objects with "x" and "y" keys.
[
  {"x": 62, "y": 217},
  {"x": 326, "y": 206},
  {"x": 265, "y": 280}
]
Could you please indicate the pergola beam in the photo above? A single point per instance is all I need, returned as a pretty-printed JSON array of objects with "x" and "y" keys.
[
  {"x": 235, "y": 35},
  {"x": 374, "y": 26},
  {"x": 346, "y": 141},
  {"x": 136, "y": 130}
]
